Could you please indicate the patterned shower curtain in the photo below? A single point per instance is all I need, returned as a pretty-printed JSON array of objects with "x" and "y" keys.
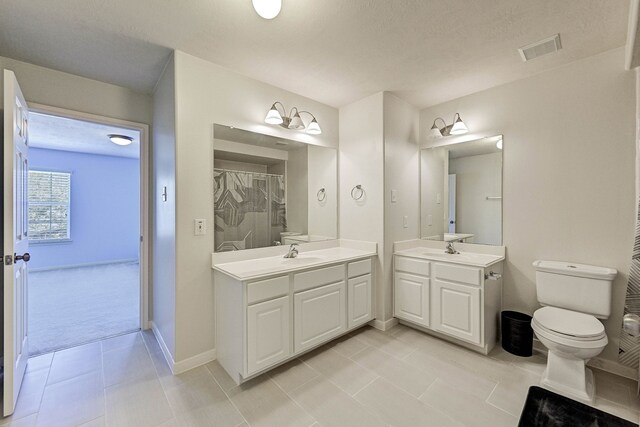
[
  {"x": 629, "y": 352},
  {"x": 249, "y": 209}
]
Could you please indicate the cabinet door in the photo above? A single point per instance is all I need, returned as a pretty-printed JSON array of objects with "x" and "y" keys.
[
  {"x": 319, "y": 315},
  {"x": 411, "y": 298},
  {"x": 359, "y": 300},
  {"x": 268, "y": 334},
  {"x": 456, "y": 310}
]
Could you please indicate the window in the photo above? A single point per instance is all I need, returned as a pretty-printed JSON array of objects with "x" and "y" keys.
[{"x": 49, "y": 206}]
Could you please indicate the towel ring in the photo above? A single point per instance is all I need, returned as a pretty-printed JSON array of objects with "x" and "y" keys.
[
  {"x": 357, "y": 192},
  {"x": 321, "y": 194}
]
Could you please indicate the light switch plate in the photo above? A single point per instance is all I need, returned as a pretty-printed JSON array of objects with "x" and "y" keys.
[
  {"x": 438, "y": 198},
  {"x": 199, "y": 227},
  {"x": 405, "y": 221},
  {"x": 429, "y": 219},
  {"x": 394, "y": 196}
]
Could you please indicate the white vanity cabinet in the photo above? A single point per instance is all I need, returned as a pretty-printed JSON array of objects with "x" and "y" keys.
[
  {"x": 461, "y": 302},
  {"x": 263, "y": 322}
]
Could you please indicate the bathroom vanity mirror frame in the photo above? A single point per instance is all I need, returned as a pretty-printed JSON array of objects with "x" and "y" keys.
[
  {"x": 294, "y": 185},
  {"x": 468, "y": 148}
]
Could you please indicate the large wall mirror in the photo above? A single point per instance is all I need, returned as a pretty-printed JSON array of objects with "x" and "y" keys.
[
  {"x": 461, "y": 186},
  {"x": 270, "y": 191}
]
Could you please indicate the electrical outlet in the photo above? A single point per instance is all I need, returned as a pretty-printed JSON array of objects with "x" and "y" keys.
[
  {"x": 200, "y": 227},
  {"x": 429, "y": 220},
  {"x": 438, "y": 198},
  {"x": 405, "y": 221}
]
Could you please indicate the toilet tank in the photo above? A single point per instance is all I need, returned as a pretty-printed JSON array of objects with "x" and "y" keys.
[{"x": 577, "y": 287}]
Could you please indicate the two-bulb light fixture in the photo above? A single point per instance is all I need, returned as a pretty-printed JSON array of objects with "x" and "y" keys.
[
  {"x": 293, "y": 120},
  {"x": 267, "y": 9},
  {"x": 457, "y": 128},
  {"x": 120, "y": 139}
]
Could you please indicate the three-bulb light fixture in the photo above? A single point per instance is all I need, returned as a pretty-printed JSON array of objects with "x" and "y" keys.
[
  {"x": 457, "y": 128},
  {"x": 293, "y": 120}
]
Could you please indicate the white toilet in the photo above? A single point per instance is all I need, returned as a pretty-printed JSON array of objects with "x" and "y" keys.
[{"x": 574, "y": 297}]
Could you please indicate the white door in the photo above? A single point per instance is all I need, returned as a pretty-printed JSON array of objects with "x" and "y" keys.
[
  {"x": 452, "y": 204},
  {"x": 456, "y": 310},
  {"x": 411, "y": 298},
  {"x": 359, "y": 300},
  {"x": 267, "y": 334},
  {"x": 16, "y": 243},
  {"x": 319, "y": 314}
]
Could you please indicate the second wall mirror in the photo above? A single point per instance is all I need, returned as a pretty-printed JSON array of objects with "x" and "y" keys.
[
  {"x": 270, "y": 191},
  {"x": 461, "y": 192}
]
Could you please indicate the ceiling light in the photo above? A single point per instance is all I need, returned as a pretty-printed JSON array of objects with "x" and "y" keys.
[
  {"x": 120, "y": 139},
  {"x": 292, "y": 121},
  {"x": 499, "y": 144},
  {"x": 457, "y": 128},
  {"x": 268, "y": 9}
]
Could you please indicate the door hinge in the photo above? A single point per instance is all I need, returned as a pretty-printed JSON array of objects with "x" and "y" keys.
[{"x": 8, "y": 260}]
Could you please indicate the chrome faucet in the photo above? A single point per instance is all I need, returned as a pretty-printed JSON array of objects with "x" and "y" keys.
[
  {"x": 293, "y": 251},
  {"x": 450, "y": 249}
]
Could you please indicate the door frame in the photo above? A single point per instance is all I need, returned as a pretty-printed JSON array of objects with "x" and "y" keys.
[{"x": 144, "y": 188}]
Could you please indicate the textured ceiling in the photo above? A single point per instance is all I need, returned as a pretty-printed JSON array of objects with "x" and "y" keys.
[
  {"x": 333, "y": 51},
  {"x": 60, "y": 133}
]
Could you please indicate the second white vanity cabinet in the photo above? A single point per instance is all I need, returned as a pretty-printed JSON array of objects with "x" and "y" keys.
[
  {"x": 456, "y": 301},
  {"x": 262, "y": 322}
]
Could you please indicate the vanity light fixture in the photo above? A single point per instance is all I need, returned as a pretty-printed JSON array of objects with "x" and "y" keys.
[
  {"x": 293, "y": 120},
  {"x": 267, "y": 9},
  {"x": 457, "y": 128},
  {"x": 120, "y": 139}
]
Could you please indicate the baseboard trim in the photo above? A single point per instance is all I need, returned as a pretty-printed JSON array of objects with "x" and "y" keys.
[
  {"x": 165, "y": 350},
  {"x": 384, "y": 325},
  {"x": 88, "y": 264},
  {"x": 194, "y": 361},
  {"x": 599, "y": 363}
]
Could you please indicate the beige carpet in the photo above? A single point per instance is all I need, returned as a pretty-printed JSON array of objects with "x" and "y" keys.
[{"x": 73, "y": 306}]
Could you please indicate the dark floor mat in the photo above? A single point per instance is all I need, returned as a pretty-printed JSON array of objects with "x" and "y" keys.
[{"x": 544, "y": 408}]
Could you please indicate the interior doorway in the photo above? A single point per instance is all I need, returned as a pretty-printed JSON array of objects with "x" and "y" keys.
[{"x": 86, "y": 215}]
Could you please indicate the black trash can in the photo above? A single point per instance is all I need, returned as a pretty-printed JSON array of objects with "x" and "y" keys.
[{"x": 517, "y": 335}]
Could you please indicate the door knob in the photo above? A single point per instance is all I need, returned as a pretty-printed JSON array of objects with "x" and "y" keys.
[{"x": 26, "y": 257}]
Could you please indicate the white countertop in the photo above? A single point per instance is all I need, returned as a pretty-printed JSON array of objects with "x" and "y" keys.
[
  {"x": 464, "y": 257},
  {"x": 251, "y": 269}
]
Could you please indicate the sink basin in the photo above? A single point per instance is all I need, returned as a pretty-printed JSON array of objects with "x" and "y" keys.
[{"x": 301, "y": 259}]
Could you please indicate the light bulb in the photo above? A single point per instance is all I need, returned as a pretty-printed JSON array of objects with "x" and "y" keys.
[
  {"x": 120, "y": 139},
  {"x": 268, "y": 9},
  {"x": 273, "y": 116},
  {"x": 314, "y": 128}
]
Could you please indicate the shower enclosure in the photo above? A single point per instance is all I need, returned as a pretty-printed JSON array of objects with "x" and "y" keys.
[{"x": 249, "y": 208}]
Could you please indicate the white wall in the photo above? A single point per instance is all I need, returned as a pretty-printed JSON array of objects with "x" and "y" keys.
[
  {"x": 164, "y": 213},
  {"x": 433, "y": 169},
  {"x": 476, "y": 178},
  {"x": 568, "y": 171},
  {"x": 401, "y": 173},
  {"x": 323, "y": 173},
  {"x": 55, "y": 88},
  {"x": 362, "y": 162},
  {"x": 297, "y": 191},
  {"x": 208, "y": 94}
]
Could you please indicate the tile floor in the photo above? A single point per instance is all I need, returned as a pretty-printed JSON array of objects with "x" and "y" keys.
[{"x": 370, "y": 378}]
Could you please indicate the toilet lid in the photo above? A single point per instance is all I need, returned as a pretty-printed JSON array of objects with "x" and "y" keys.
[{"x": 568, "y": 322}]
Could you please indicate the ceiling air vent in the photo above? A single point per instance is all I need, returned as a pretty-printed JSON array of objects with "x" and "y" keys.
[{"x": 540, "y": 48}]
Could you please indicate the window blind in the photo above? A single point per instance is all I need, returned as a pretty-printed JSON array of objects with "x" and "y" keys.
[{"x": 49, "y": 205}]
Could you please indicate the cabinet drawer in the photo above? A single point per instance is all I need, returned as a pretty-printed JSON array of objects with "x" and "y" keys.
[
  {"x": 314, "y": 278},
  {"x": 359, "y": 268},
  {"x": 267, "y": 289},
  {"x": 460, "y": 274},
  {"x": 412, "y": 265}
]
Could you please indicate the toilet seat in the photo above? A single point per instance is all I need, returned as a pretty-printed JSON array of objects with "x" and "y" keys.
[
  {"x": 569, "y": 328},
  {"x": 579, "y": 326}
]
